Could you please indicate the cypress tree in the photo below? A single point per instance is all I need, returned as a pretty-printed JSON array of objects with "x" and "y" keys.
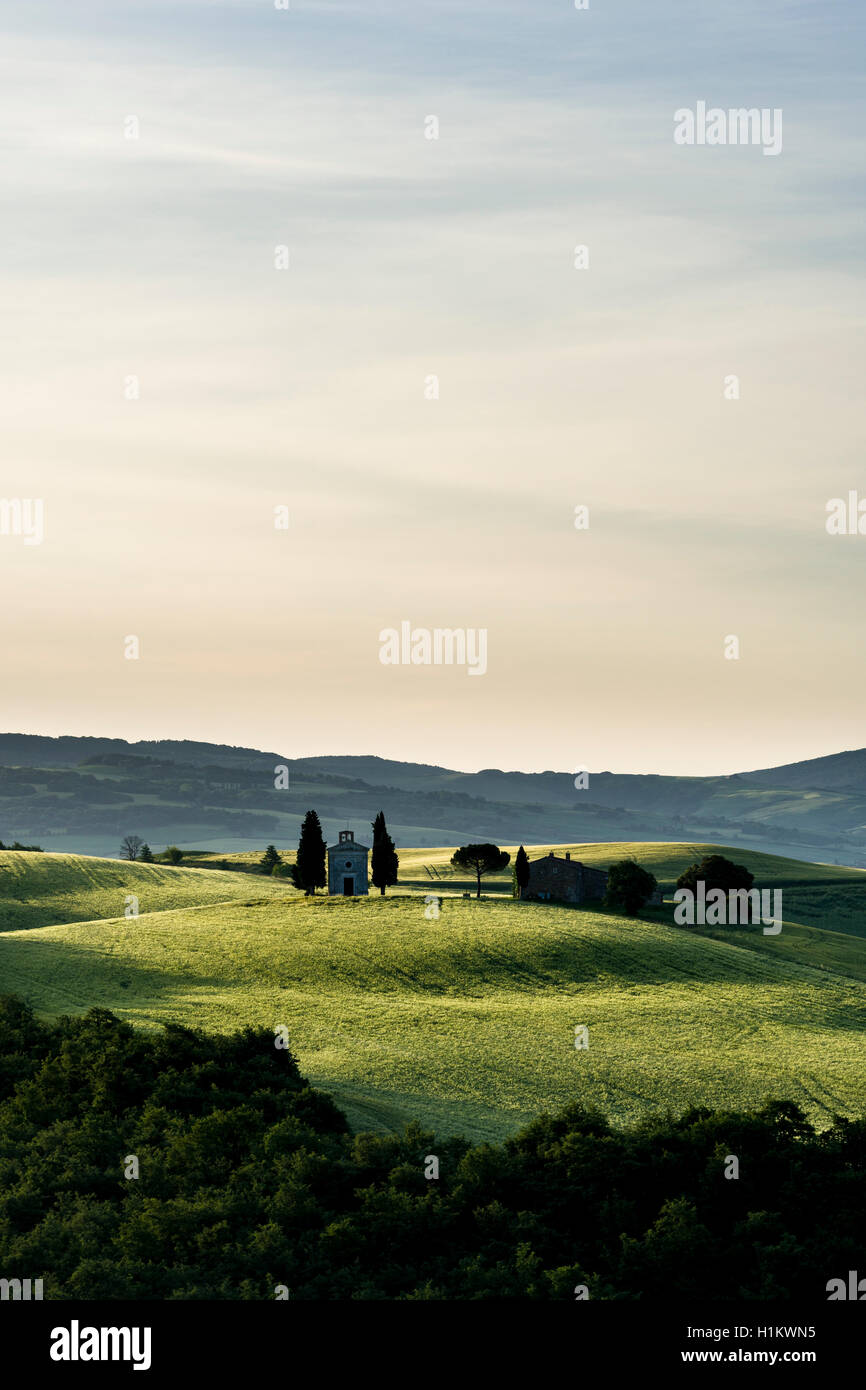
[
  {"x": 385, "y": 860},
  {"x": 521, "y": 871},
  {"x": 309, "y": 870}
]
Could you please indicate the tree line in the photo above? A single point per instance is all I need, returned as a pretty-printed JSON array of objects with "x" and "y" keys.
[
  {"x": 309, "y": 870},
  {"x": 629, "y": 885},
  {"x": 250, "y": 1181},
  {"x": 133, "y": 847}
]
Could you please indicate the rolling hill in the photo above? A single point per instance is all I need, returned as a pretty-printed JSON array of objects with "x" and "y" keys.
[
  {"x": 42, "y": 889},
  {"x": 84, "y": 794},
  {"x": 468, "y": 1022}
]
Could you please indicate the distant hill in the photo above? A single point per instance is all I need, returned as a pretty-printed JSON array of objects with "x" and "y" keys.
[
  {"x": 84, "y": 794},
  {"x": 844, "y": 772}
]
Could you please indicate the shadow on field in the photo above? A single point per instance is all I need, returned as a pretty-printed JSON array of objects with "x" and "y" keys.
[{"x": 58, "y": 976}]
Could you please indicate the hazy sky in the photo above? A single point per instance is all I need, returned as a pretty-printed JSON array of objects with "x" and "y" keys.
[{"x": 410, "y": 257}]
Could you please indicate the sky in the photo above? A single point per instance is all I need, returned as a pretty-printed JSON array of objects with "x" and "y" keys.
[{"x": 167, "y": 389}]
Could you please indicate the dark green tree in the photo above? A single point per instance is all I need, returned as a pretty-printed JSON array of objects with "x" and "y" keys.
[
  {"x": 480, "y": 859},
  {"x": 628, "y": 886},
  {"x": 146, "y": 854},
  {"x": 270, "y": 859},
  {"x": 521, "y": 872},
  {"x": 645, "y": 1208},
  {"x": 385, "y": 861},
  {"x": 716, "y": 871},
  {"x": 172, "y": 855},
  {"x": 309, "y": 869}
]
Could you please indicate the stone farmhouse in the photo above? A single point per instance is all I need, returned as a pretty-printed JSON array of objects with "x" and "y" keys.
[
  {"x": 553, "y": 879},
  {"x": 347, "y": 867},
  {"x": 563, "y": 880}
]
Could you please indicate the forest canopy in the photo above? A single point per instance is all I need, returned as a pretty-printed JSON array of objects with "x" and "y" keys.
[{"x": 249, "y": 1179}]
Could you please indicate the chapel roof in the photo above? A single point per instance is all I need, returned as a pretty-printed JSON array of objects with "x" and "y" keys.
[{"x": 347, "y": 845}]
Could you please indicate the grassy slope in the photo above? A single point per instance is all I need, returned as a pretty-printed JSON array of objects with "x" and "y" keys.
[
  {"x": 837, "y": 952},
  {"x": 43, "y": 889},
  {"x": 468, "y": 1022},
  {"x": 817, "y": 895},
  {"x": 665, "y": 860}
]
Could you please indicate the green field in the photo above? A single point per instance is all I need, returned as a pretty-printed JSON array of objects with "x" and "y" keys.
[
  {"x": 817, "y": 895},
  {"x": 39, "y": 890},
  {"x": 466, "y": 1023},
  {"x": 664, "y": 859}
]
